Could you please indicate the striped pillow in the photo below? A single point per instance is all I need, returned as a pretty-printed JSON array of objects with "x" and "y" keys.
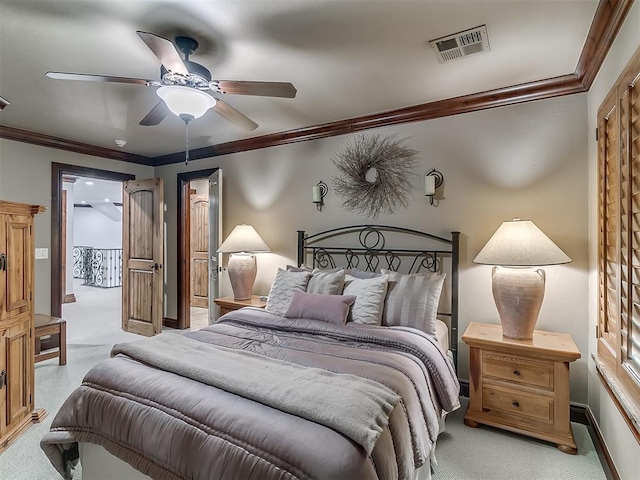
[
  {"x": 412, "y": 300},
  {"x": 326, "y": 283}
]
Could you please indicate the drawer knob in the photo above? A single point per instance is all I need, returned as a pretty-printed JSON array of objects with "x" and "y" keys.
[
  {"x": 516, "y": 373},
  {"x": 515, "y": 404}
]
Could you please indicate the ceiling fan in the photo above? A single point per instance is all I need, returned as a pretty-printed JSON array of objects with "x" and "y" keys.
[{"x": 183, "y": 85}]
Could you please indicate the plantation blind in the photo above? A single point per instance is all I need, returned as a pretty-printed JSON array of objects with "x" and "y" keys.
[
  {"x": 619, "y": 227},
  {"x": 629, "y": 102}
]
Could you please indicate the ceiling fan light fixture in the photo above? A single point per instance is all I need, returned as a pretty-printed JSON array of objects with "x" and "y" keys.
[{"x": 186, "y": 100}]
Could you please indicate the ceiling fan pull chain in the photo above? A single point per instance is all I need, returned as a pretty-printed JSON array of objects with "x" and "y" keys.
[{"x": 186, "y": 153}]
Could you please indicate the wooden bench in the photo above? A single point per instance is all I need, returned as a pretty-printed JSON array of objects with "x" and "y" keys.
[{"x": 48, "y": 325}]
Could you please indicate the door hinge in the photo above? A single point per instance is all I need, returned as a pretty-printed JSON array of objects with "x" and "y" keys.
[
  {"x": 3, "y": 378},
  {"x": 596, "y": 134},
  {"x": 30, "y": 399},
  {"x": 597, "y": 331}
]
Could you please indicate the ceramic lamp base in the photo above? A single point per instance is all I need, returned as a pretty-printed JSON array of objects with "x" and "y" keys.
[
  {"x": 518, "y": 293},
  {"x": 242, "y": 273}
]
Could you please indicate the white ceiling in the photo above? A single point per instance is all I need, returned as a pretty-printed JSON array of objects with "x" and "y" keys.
[
  {"x": 94, "y": 191},
  {"x": 345, "y": 57}
]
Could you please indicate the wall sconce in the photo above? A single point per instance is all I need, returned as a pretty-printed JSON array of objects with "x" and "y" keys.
[
  {"x": 432, "y": 181},
  {"x": 319, "y": 191}
]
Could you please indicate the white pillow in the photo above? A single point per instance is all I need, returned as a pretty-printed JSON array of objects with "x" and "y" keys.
[
  {"x": 285, "y": 283},
  {"x": 412, "y": 300},
  {"x": 370, "y": 294}
]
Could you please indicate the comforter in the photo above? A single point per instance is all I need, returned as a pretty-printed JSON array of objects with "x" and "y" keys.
[{"x": 171, "y": 423}]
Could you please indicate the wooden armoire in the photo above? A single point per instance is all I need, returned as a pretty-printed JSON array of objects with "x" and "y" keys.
[{"x": 17, "y": 254}]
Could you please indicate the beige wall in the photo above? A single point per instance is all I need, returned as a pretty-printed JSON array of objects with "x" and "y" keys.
[
  {"x": 534, "y": 160},
  {"x": 624, "y": 449},
  {"x": 25, "y": 176},
  {"x": 528, "y": 160}
]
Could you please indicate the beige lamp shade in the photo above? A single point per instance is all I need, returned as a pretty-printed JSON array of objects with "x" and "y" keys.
[
  {"x": 243, "y": 238},
  {"x": 518, "y": 292},
  {"x": 241, "y": 243},
  {"x": 520, "y": 243}
]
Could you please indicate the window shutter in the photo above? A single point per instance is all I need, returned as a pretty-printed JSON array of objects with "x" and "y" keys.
[
  {"x": 629, "y": 150},
  {"x": 609, "y": 200}
]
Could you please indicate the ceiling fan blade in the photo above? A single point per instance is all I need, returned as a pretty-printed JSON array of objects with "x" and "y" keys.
[
  {"x": 156, "y": 115},
  {"x": 264, "y": 89},
  {"x": 229, "y": 113},
  {"x": 165, "y": 51},
  {"x": 4, "y": 102},
  {"x": 100, "y": 78}
]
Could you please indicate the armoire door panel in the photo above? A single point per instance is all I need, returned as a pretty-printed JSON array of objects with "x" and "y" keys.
[{"x": 17, "y": 355}]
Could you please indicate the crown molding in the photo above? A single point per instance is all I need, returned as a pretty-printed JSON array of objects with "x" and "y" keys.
[
  {"x": 553, "y": 87},
  {"x": 43, "y": 140}
]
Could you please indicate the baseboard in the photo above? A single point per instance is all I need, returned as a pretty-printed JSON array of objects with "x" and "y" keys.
[
  {"x": 69, "y": 298},
  {"x": 170, "y": 322},
  {"x": 464, "y": 388},
  {"x": 601, "y": 447},
  {"x": 583, "y": 415}
]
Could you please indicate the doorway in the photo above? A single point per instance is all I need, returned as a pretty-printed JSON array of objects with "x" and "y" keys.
[
  {"x": 58, "y": 172},
  {"x": 199, "y": 226},
  {"x": 85, "y": 261}
]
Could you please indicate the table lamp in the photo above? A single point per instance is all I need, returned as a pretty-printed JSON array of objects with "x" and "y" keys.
[
  {"x": 518, "y": 288},
  {"x": 242, "y": 243}
]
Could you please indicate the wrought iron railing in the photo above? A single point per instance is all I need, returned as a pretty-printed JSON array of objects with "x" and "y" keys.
[{"x": 98, "y": 267}]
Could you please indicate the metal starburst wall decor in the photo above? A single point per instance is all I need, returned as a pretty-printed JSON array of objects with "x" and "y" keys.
[{"x": 375, "y": 174}]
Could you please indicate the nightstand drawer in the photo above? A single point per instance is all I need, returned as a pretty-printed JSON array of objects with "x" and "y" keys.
[
  {"x": 514, "y": 402},
  {"x": 517, "y": 369}
]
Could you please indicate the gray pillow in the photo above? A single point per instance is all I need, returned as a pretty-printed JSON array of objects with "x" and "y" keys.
[
  {"x": 370, "y": 294},
  {"x": 328, "y": 308},
  {"x": 326, "y": 283},
  {"x": 412, "y": 300},
  {"x": 354, "y": 272},
  {"x": 284, "y": 285}
]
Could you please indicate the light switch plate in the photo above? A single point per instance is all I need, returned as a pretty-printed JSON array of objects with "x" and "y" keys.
[{"x": 42, "y": 253}]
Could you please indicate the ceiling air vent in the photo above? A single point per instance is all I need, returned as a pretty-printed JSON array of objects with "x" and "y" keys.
[{"x": 461, "y": 44}]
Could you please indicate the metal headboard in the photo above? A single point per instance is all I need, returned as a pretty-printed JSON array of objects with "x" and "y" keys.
[{"x": 365, "y": 247}]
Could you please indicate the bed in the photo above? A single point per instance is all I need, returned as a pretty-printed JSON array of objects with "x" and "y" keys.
[{"x": 298, "y": 392}]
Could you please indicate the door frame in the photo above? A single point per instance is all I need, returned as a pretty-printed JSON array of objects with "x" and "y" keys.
[
  {"x": 57, "y": 172},
  {"x": 184, "y": 234}
]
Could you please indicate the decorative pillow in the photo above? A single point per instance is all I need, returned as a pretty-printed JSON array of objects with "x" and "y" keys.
[
  {"x": 412, "y": 300},
  {"x": 369, "y": 293},
  {"x": 304, "y": 268},
  {"x": 301, "y": 268},
  {"x": 282, "y": 290},
  {"x": 354, "y": 272},
  {"x": 326, "y": 283},
  {"x": 328, "y": 308}
]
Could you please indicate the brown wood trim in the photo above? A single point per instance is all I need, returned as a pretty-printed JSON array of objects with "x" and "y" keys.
[
  {"x": 184, "y": 230},
  {"x": 170, "y": 322},
  {"x": 69, "y": 298},
  {"x": 602, "y": 450},
  {"x": 548, "y": 88},
  {"x": 58, "y": 170},
  {"x": 25, "y": 136},
  {"x": 606, "y": 24}
]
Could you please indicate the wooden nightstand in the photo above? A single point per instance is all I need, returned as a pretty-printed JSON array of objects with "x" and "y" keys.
[
  {"x": 228, "y": 304},
  {"x": 521, "y": 385}
]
